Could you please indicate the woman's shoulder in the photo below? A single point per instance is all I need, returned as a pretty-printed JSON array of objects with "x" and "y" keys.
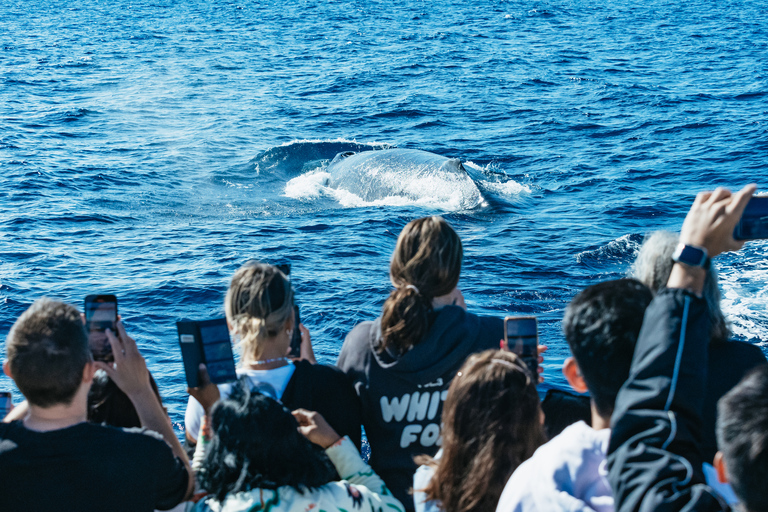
[
  {"x": 358, "y": 345},
  {"x": 737, "y": 352},
  {"x": 307, "y": 370}
]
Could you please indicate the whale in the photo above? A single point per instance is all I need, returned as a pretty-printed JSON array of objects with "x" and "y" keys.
[{"x": 412, "y": 175}]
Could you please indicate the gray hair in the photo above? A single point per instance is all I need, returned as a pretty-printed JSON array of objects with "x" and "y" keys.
[{"x": 653, "y": 266}]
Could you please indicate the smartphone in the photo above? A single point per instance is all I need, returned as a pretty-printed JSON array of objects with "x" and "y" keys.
[
  {"x": 753, "y": 224},
  {"x": 100, "y": 315},
  {"x": 6, "y": 404},
  {"x": 521, "y": 334},
  {"x": 285, "y": 268},
  {"x": 207, "y": 342},
  {"x": 295, "y": 350}
]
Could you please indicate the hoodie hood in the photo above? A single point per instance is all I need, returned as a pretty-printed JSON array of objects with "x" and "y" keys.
[{"x": 453, "y": 335}]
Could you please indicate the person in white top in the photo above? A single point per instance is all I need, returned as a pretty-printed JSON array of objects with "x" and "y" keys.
[
  {"x": 601, "y": 325},
  {"x": 260, "y": 313}
]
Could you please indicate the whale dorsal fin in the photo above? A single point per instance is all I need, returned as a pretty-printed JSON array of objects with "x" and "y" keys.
[
  {"x": 341, "y": 156},
  {"x": 454, "y": 164}
]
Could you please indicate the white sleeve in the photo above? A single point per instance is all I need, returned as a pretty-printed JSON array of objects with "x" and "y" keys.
[
  {"x": 193, "y": 418},
  {"x": 365, "y": 482}
]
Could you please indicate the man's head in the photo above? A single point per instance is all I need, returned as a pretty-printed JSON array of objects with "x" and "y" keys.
[
  {"x": 742, "y": 436},
  {"x": 47, "y": 351},
  {"x": 601, "y": 325}
]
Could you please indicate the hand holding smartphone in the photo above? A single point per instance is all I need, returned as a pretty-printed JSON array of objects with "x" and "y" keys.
[
  {"x": 100, "y": 315},
  {"x": 521, "y": 335}
]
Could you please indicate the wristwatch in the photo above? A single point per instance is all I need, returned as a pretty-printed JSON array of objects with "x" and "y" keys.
[{"x": 692, "y": 256}]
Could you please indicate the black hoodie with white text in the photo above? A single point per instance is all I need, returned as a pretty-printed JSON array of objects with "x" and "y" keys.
[{"x": 402, "y": 395}]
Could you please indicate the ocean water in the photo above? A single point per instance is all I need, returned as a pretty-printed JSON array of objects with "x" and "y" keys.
[{"x": 149, "y": 147}]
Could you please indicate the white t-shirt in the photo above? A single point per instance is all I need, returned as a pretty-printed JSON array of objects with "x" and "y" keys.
[{"x": 276, "y": 379}]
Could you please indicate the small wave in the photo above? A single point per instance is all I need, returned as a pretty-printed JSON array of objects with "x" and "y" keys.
[
  {"x": 622, "y": 249},
  {"x": 744, "y": 284},
  {"x": 496, "y": 183}
]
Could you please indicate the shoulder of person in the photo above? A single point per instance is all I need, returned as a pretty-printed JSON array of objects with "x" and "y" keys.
[
  {"x": 358, "y": 343},
  {"x": 742, "y": 349},
  {"x": 326, "y": 374},
  {"x": 143, "y": 438}
]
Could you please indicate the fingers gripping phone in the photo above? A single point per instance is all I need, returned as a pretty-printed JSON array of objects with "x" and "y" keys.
[
  {"x": 521, "y": 334},
  {"x": 753, "y": 224},
  {"x": 100, "y": 315}
]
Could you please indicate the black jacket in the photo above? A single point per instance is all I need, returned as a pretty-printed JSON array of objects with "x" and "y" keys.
[
  {"x": 321, "y": 388},
  {"x": 654, "y": 457},
  {"x": 402, "y": 396}
]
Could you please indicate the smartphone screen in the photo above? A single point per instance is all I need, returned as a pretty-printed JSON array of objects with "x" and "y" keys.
[
  {"x": 6, "y": 403},
  {"x": 100, "y": 315},
  {"x": 217, "y": 349},
  {"x": 753, "y": 224},
  {"x": 522, "y": 336},
  {"x": 295, "y": 350}
]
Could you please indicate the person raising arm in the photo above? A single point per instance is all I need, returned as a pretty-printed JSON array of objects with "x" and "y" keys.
[{"x": 654, "y": 456}]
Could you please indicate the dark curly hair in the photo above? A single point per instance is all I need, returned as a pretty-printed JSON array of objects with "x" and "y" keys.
[{"x": 256, "y": 444}]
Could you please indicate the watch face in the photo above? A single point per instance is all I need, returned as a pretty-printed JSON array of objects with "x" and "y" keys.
[{"x": 692, "y": 256}]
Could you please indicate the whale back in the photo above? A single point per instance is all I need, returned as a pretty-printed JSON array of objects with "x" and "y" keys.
[{"x": 407, "y": 173}]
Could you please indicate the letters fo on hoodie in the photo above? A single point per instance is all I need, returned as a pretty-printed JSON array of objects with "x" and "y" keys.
[{"x": 402, "y": 396}]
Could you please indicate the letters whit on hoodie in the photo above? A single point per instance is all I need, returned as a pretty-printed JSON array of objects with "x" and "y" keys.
[
  {"x": 568, "y": 473},
  {"x": 402, "y": 395}
]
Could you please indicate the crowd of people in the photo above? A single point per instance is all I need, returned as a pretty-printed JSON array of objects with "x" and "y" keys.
[{"x": 677, "y": 417}]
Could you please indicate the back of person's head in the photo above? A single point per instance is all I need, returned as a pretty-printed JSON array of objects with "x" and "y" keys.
[
  {"x": 426, "y": 264},
  {"x": 259, "y": 302},
  {"x": 47, "y": 350},
  {"x": 109, "y": 405},
  {"x": 491, "y": 424},
  {"x": 601, "y": 325},
  {"x": 256, "y": 444},
  {"x": 653, "y": 266},
  {"x": 742, "y": 436}
]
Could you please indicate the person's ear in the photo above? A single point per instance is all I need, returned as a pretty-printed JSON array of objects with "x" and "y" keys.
[
  {"x": 719, "y": 464},
  {"x": 573, "y": 375},
  {"x": 542, "y": 417},
  {"x": 7, "y": 369},
  {"x": 88, "y": 370}
]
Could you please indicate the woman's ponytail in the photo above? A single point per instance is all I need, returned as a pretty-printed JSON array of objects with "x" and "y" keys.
[{"x": 426, "y": 264}]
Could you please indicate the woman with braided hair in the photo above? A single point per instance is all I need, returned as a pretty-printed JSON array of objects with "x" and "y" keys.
[
  {"x": 260, "y": 313},
  {"x": 403, "y": 362}
]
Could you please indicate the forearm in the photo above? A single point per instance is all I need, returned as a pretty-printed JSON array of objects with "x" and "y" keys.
[
  {"x": 351, "y": 467},
  {"x": 17, "y": 413},
  {"x": 654, "y": 455},
  {"x": 153, "y": 417}
]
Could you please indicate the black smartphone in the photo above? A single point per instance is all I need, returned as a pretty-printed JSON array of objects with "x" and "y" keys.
[
  {"x": 521, "y": 334},
  {"x": 295, "y": 350},
  {"x": 753, "y": 224},
  {"x": 100, "y": 315},
  {"x": 6, "y": 403},
  {"x": 207, "y": 342}
]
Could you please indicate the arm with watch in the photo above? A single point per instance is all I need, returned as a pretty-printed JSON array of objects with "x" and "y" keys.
[{"x": 654, "y": 457}]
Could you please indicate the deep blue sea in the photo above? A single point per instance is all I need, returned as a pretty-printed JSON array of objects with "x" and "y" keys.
[{"x": 149, "y": 147}]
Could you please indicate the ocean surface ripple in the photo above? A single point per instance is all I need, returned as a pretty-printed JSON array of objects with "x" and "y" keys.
[{"x": 150, "y": 147}]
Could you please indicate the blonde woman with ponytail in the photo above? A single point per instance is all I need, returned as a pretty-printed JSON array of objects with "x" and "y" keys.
[
  {"x": 403, "y": 362},
  {"x": 260, "y": 314}
]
